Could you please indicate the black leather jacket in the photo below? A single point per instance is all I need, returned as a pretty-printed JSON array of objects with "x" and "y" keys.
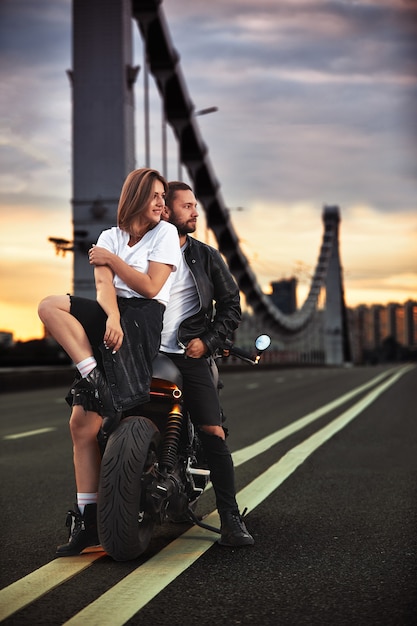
[{"x": 220, "y": 311}]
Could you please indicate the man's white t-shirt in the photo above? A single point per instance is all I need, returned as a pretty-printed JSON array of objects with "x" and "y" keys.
[
  {"x": 183, "y": 303},
  {"x": 160, "y": 244}
]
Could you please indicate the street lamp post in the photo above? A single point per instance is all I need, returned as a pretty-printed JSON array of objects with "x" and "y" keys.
[
  {"x": 146, "y": 107},
  {"x": 164, "y": 142},
  {"x": 206, "y": 111}
]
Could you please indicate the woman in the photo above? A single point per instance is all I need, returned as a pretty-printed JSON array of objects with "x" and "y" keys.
[{"x": 133, "y": 265}]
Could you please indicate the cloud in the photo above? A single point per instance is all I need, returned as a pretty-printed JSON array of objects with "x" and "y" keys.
[
  {"x": 35, "y": 98},
  {"x": 316, "y": 104},
  {"x": 378, "y": 253},
  {"x": 33, "y": 33},
  {"x": 310, "y": 92}
]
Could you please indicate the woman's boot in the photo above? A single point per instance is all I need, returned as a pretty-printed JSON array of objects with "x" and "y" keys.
[{"x": 83, "y": 531}]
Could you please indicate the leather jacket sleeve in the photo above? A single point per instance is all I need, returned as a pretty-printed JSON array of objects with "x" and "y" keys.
[
  {"x": 227, "y": 311},
  {"x": 220, "y": 310}
]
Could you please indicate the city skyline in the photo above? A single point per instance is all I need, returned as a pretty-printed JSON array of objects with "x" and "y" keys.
[{"x": 315, "y": 107}]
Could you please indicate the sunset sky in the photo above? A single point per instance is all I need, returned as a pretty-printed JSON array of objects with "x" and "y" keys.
[{"x": 317, "y": 105}]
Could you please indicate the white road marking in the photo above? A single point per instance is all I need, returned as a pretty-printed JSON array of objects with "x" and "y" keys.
[
  {"x": 30, "y": 433},
  {"x": 36, "y": 584},
  {"x": 245, "y": 454},
  {"x": 121, "y": 602}
]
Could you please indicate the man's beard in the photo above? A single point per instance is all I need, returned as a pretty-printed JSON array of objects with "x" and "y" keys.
[{"x": 185, "y": 229}]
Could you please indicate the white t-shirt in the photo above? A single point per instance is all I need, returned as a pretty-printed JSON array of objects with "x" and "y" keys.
[
  {"x": 183, "y": 303},
  {"x": 160, "y": 244}
]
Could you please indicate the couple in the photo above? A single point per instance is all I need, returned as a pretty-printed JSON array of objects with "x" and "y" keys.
[{"x": 170, "y": 288}]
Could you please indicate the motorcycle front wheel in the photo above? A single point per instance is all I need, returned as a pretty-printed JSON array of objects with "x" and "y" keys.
[{"x": 124, "y": 528}]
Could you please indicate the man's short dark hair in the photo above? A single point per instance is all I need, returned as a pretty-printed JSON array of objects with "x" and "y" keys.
[{"x": 173, "y": 187}]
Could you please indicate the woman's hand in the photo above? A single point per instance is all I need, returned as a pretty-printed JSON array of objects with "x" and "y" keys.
[
  {"x": 113, "y": 337},
  {"x": 99, "y": 256}
]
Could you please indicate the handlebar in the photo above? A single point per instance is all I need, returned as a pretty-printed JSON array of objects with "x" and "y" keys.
[
  {"x": 261, "y": 344},
  {"x": 253, "y": 359}
]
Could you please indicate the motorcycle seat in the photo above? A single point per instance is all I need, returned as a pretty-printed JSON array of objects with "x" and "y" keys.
[{"x": 164, "y": 369}]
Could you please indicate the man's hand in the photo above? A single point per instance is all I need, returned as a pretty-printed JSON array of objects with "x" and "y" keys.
[{"x": 196, "y": 349}]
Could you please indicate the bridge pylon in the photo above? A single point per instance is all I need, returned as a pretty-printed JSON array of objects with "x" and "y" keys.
[
  {"x": 103, "y": 151},
  {"x": 103, "y": 154},
  {"x": 336, "y": 342}
]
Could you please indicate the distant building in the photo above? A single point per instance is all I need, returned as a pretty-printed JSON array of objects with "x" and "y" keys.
[
  {"x": 284, "y": 295},
  {"x": 372, "y": 326},
  {"x": 6, "y": 339},
  {"x": 377, "y": 333},
  {"x": 410, "y": 324}
]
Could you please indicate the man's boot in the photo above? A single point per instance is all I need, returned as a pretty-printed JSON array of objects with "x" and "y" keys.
[
  {"x": 233, "y": 531},
  {"x": 82, "y": 531}
]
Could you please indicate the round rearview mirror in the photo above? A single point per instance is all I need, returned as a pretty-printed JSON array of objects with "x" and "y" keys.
[{"x": 263, "y": 342}]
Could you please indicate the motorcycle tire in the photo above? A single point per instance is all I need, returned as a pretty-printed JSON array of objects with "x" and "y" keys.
[{"x": 124, "y": 528}]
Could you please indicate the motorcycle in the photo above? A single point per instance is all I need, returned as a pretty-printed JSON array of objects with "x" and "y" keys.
[{"x": 153, "y": 468}]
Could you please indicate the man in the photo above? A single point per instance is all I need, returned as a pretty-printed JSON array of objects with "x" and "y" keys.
[{"x": 191, "y": 332}]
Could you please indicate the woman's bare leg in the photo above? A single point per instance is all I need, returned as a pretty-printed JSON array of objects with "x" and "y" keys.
[
  {"x": 54, "y": 312},
  {"x": 84, "y": 426}
]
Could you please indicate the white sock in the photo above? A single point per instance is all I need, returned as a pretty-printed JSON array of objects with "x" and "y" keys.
[
  {"x": 86, "y": 366},
  {"x": 86, "y": 498}
]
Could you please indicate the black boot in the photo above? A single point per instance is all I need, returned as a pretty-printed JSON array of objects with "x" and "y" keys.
[
  {"x": 83, "y": 531},
  {"x": 233, "y": 531},
  {"x": 102, "y": 393}
]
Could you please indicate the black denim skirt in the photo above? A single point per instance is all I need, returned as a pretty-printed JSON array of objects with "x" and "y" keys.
[{"x": 129, "y": 371}]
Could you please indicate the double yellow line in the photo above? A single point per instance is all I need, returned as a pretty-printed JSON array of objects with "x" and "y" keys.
[{"x": 121, "y": 602}]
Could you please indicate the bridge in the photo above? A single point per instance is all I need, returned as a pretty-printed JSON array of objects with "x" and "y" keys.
[{"x": 102, "y": 80}]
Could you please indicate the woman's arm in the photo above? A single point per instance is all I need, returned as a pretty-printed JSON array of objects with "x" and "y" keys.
[
  {"x": 148, "y": 285},
  {"x": 107, "y": 299}
]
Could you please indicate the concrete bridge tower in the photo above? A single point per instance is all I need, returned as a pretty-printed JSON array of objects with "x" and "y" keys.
[
  {"x": 336, "y": 340},
  {"x": 103, "y": 123}
]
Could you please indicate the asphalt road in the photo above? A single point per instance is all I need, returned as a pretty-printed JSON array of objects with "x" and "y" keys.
[{"x": 331, "y": 497}]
